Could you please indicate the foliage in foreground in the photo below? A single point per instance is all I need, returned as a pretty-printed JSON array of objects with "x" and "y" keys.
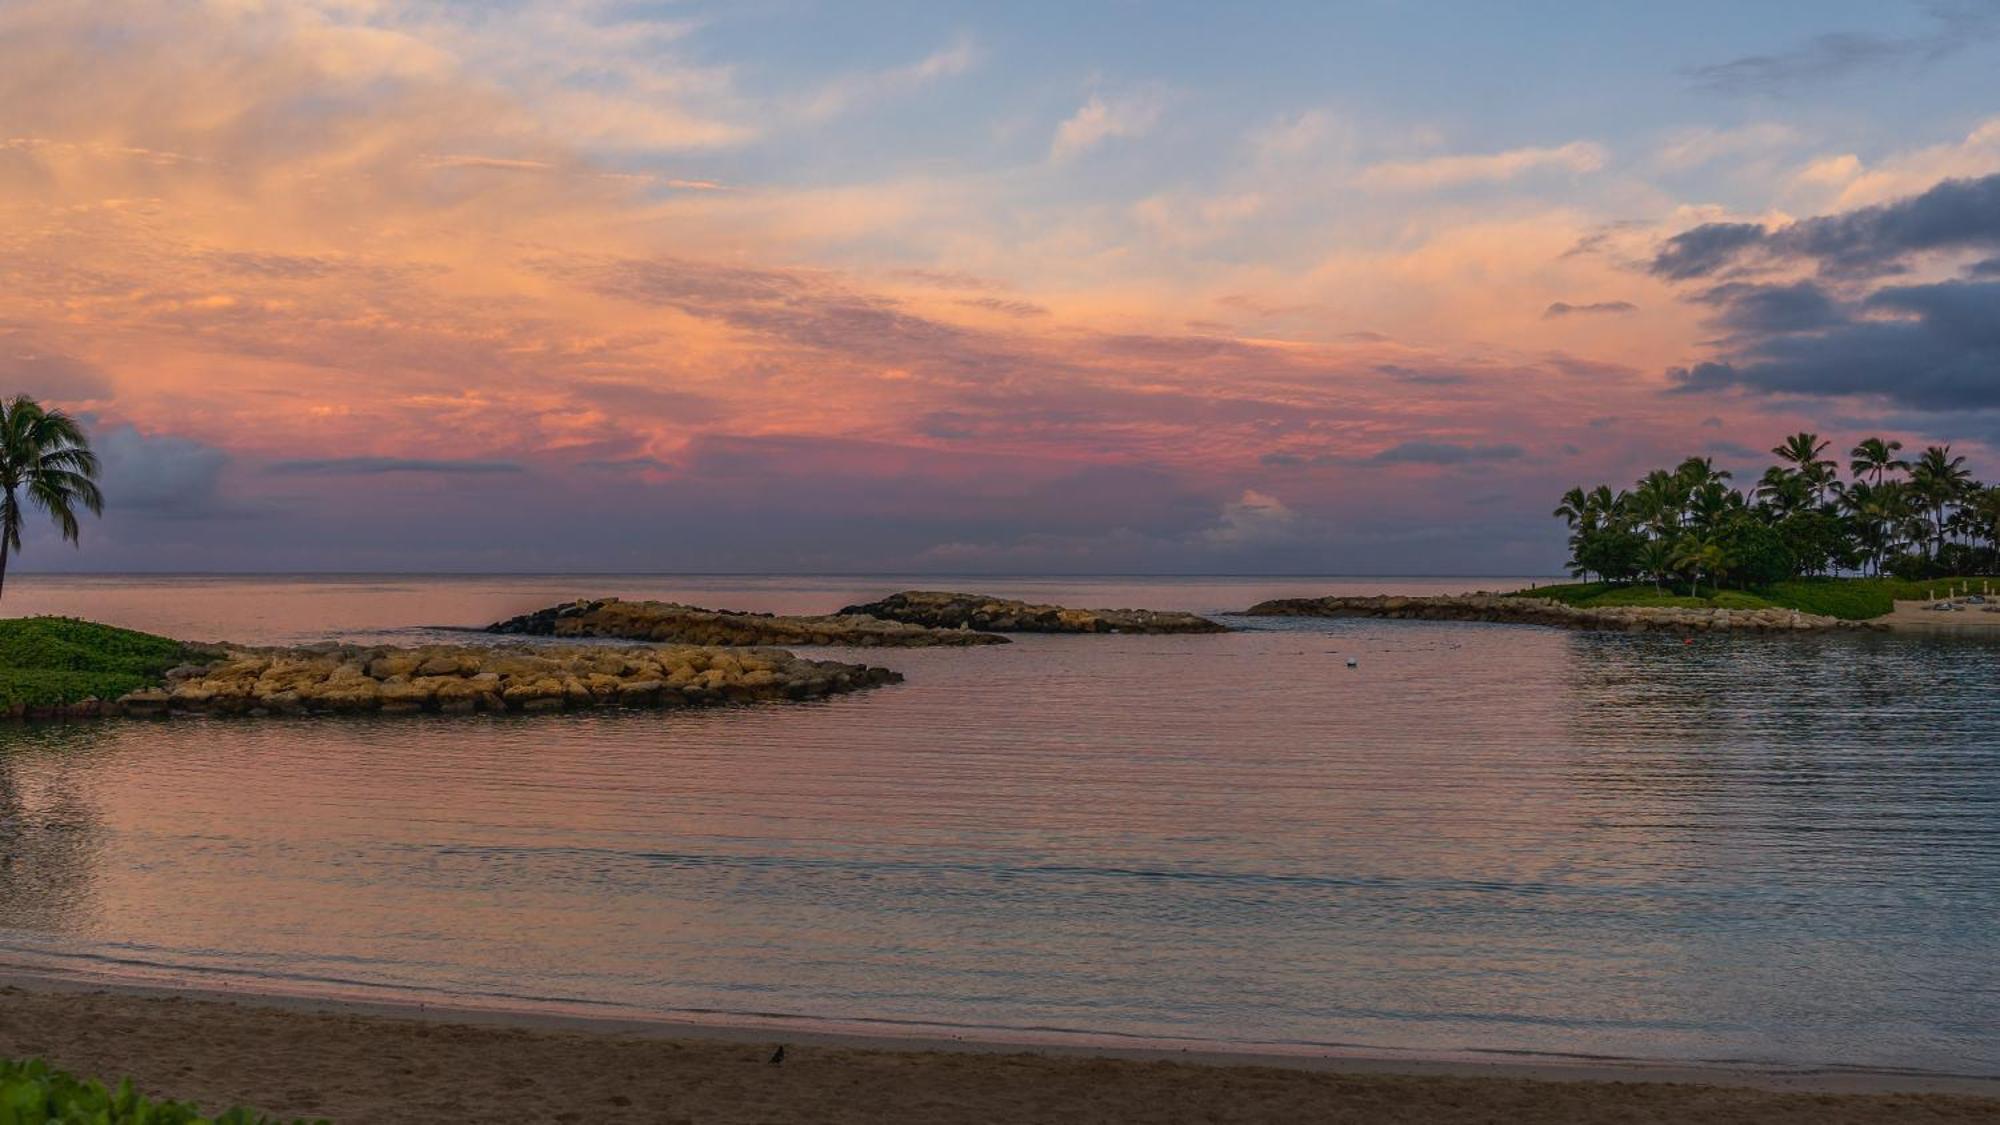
[
  {"x": 49, "y": 661},
  {"x": 1850, "y": 599},
  {"x": 34, "y": 1093}
]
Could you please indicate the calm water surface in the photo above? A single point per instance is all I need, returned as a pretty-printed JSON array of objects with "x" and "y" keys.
[{"x": 1483, "y": 838}]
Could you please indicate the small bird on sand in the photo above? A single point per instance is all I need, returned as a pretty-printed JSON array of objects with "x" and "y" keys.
[{"x": 778, "y": 1056}]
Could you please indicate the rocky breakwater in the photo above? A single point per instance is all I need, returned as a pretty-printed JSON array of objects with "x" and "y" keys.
[
  {"x": 938, "y": 610},
  {"x": 1543, "y": 611},
  {"x": 465, "y": 679},
  {"x": 685, "y": 624}
]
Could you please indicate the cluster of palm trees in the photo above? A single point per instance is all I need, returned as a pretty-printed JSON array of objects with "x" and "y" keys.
[{"x": 1912, "y": 518}]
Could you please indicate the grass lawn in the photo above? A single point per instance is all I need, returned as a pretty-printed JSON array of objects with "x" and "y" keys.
[
  {"x": 49, "y": 661},
  {"x": 1851, "y": 599}
]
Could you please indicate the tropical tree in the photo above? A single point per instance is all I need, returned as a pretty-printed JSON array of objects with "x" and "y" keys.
[
  {"x": 45, "y": 458},
  {"x": 1874, "y": 458},
  {"x": 1783, "y": 491},
  {"x": 1802, "y": 451},
  {"x": 1696, "y": 556},
  {"x": 1656, "y": 561},
  {"x": 1939, "y": 480}
]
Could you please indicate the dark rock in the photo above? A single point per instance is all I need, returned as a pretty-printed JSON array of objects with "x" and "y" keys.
[{"x": 942, "y": 610}]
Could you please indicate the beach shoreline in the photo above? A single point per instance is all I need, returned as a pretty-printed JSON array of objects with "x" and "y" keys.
[{"x": 35, "y": 1001}]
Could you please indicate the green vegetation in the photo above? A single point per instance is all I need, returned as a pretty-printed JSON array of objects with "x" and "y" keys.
[
  {"x": 50, "y": 661},
  {"x": 43, "y": 454},
  {"x": 34, "y": 1093},
  {"x": 1685, "y": 529},
  {"x": 1850, "y": 599}
]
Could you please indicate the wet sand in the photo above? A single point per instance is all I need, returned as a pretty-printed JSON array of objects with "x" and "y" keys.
[{"x": 355, "y": 1062}]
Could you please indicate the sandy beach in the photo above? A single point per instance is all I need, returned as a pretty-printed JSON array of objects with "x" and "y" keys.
[
  {"x": 1912, "y": 615},
  {"x": 371, "y": 1063}
]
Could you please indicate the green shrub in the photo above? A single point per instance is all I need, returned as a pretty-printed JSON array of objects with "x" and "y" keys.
[
  {"x": 1850, "y": 599},
  {"x": 49, "y": 661},
  {"x": 34, "y": 1093}
]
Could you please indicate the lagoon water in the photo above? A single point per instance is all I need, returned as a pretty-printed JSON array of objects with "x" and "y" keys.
[{"x": 1480, "y": 839}]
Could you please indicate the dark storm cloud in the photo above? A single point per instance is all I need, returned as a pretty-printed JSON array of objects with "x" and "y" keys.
[
  {"x": 1930, "y": 347},
  {"x": 1837, "y": 55},
  {"x": 1955, "y": 215},
  {"x": 1988, "y": 268},
  {"x": 1705, "y": 249},
  {"x": 372, "y": 466},
  {"x": 1564, "y": 308},
  {"x": 1763, "y": 309}
]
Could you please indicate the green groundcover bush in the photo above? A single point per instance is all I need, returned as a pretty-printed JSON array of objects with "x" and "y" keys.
[
  {"x": 50, "y": 661},
  {"x": 1853, "y": 599},
  {"x": 34, "y": 1093}
]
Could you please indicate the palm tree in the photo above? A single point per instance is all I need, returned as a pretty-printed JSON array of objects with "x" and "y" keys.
[
  {"x": 1782, "y": 491},
  {"x": 1876, "y": 457},
  {"x": 1572, "y": 507},
  {"x": 1939, "y": 480},
  {"x": 1802, "y": 451},
  {"x": 1982, "y": 512},
  {"x": 44, "y": 454},
  {"x": 1700, "y": 556},
  {"x": 1656, "y": 558}
]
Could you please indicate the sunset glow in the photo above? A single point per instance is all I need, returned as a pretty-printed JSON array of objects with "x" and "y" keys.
[{"x": 813, "y": 287}]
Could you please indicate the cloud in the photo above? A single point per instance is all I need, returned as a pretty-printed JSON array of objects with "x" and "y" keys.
[
  {"x": 1956, "y": 215},
  {"x": 627, "y": 465},
  {"x": 1103, "y": 118},
  {"x": 29, "y": 368},
  {"x": 1444, "y": 453},
  {"x": 1445, "y": 171},
  {"x": 854, "y": 90},
  {"x": 1930, "y": 347},
  {"x": 372, "y": 466},
  {"x": 1763, "y": 309},
  {"x": 1253, "y": 519},
  {"x": 158, "y": 474},
  {"x": 1421, "y": 377},
  {"x": 1705, "y": 249},
  {"x": 1837, "y": 55},
  {"x": 1694, "y": 148},
  {"x": 1564, "y": 308},
  {"x": 1022, "y": 309}
]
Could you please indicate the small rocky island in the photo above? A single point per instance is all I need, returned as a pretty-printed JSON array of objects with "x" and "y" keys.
[
  {"x": 1512, "y": 610},
  {"x": 669, "y": 622},
  {"x": 465, "y": 678},
  {"x": 942, "y": 610}
]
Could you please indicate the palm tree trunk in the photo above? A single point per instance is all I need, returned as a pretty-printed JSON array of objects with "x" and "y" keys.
[{"x": 3, "y": 563}]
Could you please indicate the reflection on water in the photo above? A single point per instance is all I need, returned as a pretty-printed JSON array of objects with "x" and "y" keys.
[
  {"x": 49, "y": 832},
  {"x": 1481, "y": 837}
]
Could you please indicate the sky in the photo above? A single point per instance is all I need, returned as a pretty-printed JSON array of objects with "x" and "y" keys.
[{"x": 1091, "y": 287}]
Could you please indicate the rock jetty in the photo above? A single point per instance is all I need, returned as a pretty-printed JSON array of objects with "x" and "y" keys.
[
  {"x": 467, "y": 678},
  {"x": 1544, "y": 611},
  {"x": 668, "y": 622},
  {"x": 940, "y": 610}
]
